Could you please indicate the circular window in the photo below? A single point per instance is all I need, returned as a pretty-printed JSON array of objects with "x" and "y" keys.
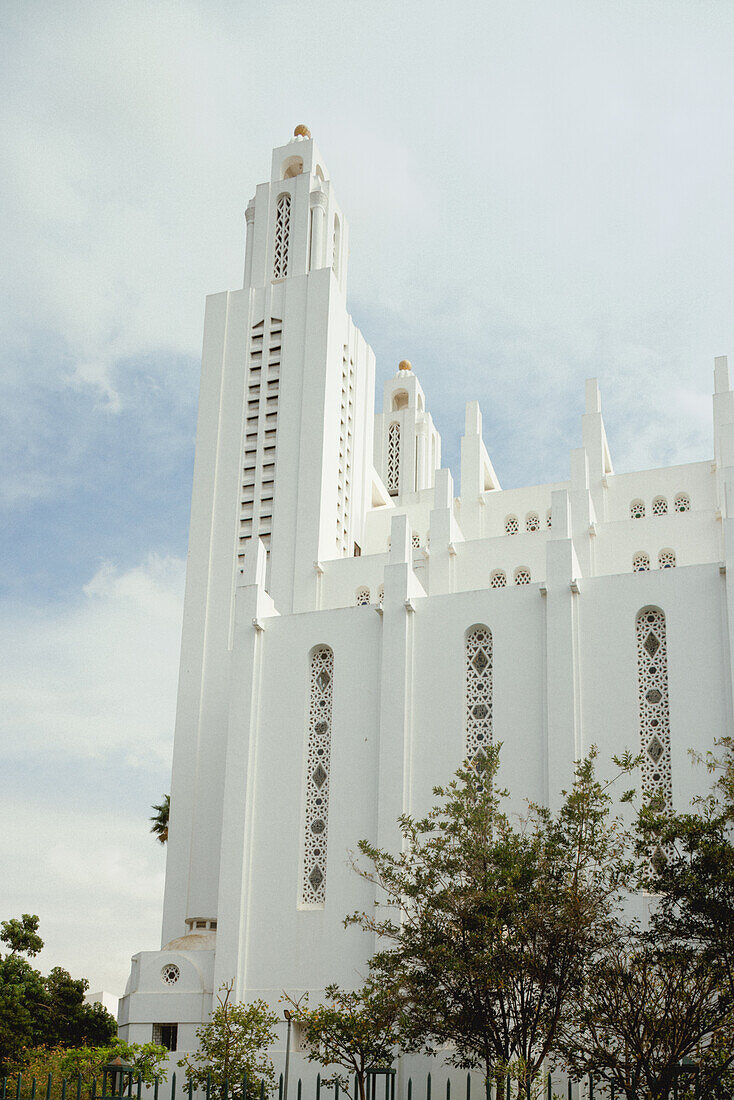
[{"x": 170, "y": 974}]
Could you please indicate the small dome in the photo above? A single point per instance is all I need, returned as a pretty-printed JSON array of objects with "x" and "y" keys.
[
  {"x": 194, "y": 941},
  {"x": 302, "y": 131},
  {"x": 405, "y": 364}
]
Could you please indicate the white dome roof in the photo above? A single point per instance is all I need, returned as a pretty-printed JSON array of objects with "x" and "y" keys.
[{"x": 194, "y": 941}]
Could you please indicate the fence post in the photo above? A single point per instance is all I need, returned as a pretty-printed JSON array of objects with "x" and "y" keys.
[
  {"x": 298, "y": 1090},
  {"x": 468, "y": 1087},
  {"x": 63, "y": 1089},
  {"x": 336, "y": 1090},
  {"x": 17, "y": 1091},
  {"x": 570, "y": 1089},
  {"x": 79, "y": 1087},
  {"x": 410, "y": 1088},
  {"x": 318, "y": 1086},
  {"x": 173, "y": 1085},
  {"x": 428, "y": 1087},
  {"x": 140, "y": 1085},
  {"x": 244, "y": 1086},
  {"x": 591, "y": 1087},
  {"x": 208, "y": 1085},
  {"x": 48, "y": 1088},
  {"x": 33, "y": 1088},
  {"x": 448, "y": 1088},
  {"x": 94, "y": 1087},
  {"x": 550, "y": 1086}
]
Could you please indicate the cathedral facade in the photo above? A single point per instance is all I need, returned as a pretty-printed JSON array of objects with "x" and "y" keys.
[{"x": 354, "y": 629}]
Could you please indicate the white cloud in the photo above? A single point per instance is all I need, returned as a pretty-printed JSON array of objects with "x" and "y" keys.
[{"x": 96, "y": 678}]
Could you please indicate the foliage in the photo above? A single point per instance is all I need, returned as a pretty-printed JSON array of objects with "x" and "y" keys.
[
  {"x": 233, "y": 1046},
  {"x": 88, "y": 1063},
  {"x": 646, "y": 1007},
  {"x": 40, "y": 1011},
  {"x": 160, "y": 819},
  {"x": 490, "y": 925},
  {"x": 21, "y": 936},
  {"x": 354, "y": 1031}
]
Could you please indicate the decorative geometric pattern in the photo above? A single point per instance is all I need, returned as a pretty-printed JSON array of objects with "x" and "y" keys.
[
  {"x": 363, "y": 596},
  {"x": 549, "y": 519},
  {"x": 313, "y": 887},
  {"x": 637, "y": 509},
  {"x": 282, "y": 234},
  {"x": 498, "y": 579},
  {"x": 640, "y": 563},
  {"x": 381, "y": 595},
  {"x": 478, "y": 691},
  {"x": 170, "y": 974},
  {"x": 346, "y": 437},
  {"x": 659, "y": 506},
  {"x": 416, "y": 542},
  {"x": 511, "y": 525},
  {"x": 532, "y": 522},
  {"x": 393, "y": 460},
  {"x": 652, "y": 672},
  {"x": 682, "y": 502},
  {"x": 666, "y": 559},
  {"x": 522, "y": 576}
]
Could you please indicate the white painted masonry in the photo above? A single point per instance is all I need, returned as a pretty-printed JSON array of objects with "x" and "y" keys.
[{"x": 312, "y": 532}]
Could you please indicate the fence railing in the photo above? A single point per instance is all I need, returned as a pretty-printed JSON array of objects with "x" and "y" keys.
[{"x": 131, "y": 1086}]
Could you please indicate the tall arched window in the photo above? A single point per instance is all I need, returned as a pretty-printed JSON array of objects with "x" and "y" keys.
[
  {"x": 478, "y": 660},
  {"x": 282, "y": 234},
  {"x": 652, "y": 673},
  {"x": 393, "y": 459},
  {"x": 313, "y": 886}
]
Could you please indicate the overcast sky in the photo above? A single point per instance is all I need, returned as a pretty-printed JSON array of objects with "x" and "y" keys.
[{"x": 537, "y": 192}]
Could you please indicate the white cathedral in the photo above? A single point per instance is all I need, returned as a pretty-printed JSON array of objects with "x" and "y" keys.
[{"x": 353, "y": 630}]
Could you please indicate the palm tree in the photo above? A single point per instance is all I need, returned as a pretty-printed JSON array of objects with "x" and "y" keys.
[{"x": 160, "y": 819}]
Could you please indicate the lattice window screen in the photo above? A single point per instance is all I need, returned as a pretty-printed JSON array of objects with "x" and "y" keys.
[
  {"x": 282, "y": 234},
  {"x": 478, "y": 690},
  {"x": 313, "y": 887},
  {"x": 652, "y": 672},
  {"x": 393, "y": 459}
]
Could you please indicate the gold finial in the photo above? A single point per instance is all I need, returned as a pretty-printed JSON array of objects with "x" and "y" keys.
[
  {"x": 405, "y": 364},
  {"x": 302, "y": 131}
]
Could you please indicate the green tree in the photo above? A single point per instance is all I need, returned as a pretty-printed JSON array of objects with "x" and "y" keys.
[
  {"x": 647, "y": 1006},
  {"x": 352, "y": 1031},
  {"x": 87, "y": 1062},
  {"x": 233, "y": 1047},
  {"x": 160, "y": 819},
  {"x": 21, "y": 936},
  {"x": 490, "y": 924},
  {"x": 42, "y": 1011}
]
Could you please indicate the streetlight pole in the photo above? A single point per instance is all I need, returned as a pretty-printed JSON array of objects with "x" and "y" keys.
[{"x": 289, "y": 1016}]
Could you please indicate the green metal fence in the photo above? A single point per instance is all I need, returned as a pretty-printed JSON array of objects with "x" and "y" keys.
[{"x": 129, "y": 1086}]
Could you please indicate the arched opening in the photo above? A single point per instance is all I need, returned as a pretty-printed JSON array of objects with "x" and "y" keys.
[
  {"x": 400, "y": 400},
  {"x": 291, "y": 166}
]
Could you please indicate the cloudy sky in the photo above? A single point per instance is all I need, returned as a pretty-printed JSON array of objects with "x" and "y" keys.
[{"x": 538, "y": 192}]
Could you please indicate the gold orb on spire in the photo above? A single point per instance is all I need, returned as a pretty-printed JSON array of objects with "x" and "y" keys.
[
  {"x": 302, "y": 131},
  {"x": 405, "y": 364}
]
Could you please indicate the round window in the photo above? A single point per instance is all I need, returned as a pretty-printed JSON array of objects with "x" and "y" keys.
[{"x": 170, "y": 974}]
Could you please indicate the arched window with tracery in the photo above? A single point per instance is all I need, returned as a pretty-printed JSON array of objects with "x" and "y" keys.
[
  {"x": 282, "y": 235},
  {"x": 654, "y": 706},
  {"x": 637, "y": 509},
  {"x": 641, "y": 562},
  {"x": 498, "y": 579},
  {"x": 682, "y": 502},
  {"x": 660, "y": 506},
  {"x": 313, "y": 884},
  {"x": 532, "y": 522},
  {"x": 511, "y": 525},
  {"x": 666, "y": 559},
  {"x": 522, "y": 575},
  {"x": 393, "y": 459},
  {"x": 362, "y": 597},
  {"x": 478, "y": 690}
]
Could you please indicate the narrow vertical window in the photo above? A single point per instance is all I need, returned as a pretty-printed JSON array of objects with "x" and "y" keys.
[
  {"x": 652, "y": 672},
  {"x": 282, "y": 233},
  {"x": 393, "y": 459},
  {"x": 337, "y": 246},
  {"x": 478, "y": 660},
  {"x": 313, "y": 886}
]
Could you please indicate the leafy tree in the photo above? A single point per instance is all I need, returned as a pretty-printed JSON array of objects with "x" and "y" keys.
[
  {"x": 42, "y": 1011},
  {"x": 21, "y": 936},
  {"x": 645, "y": 1008},
  {"x": 87, "y": 1062},
  {"x": 233, "y": 1047},
  {"x": 354, "y": 1031},
  {"x": 489, "y": 926},
  {"x": 160, "y": 819}
]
